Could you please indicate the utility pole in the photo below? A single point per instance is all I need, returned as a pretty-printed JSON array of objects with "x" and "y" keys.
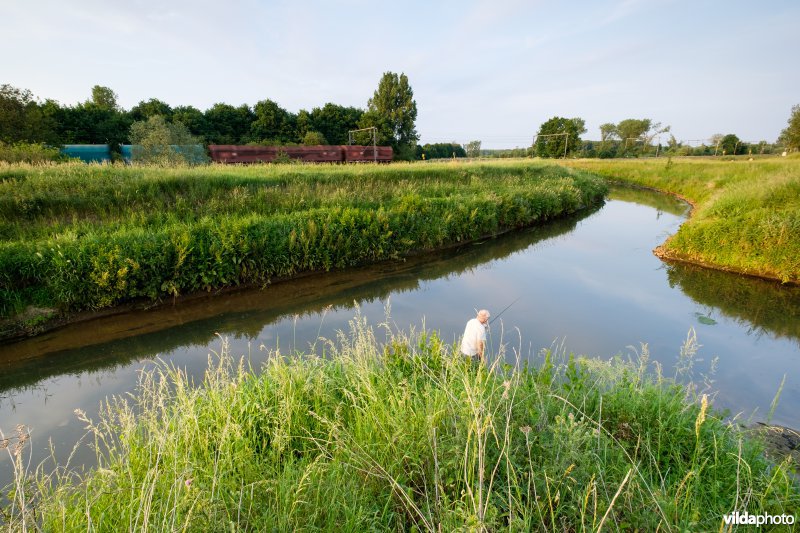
[
  {"x": 374, "y": 134},
  {"x": 566, "y": 140}
]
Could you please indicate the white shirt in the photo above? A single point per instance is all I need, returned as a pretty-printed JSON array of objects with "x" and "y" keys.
[{"x": 474, "y": 332}]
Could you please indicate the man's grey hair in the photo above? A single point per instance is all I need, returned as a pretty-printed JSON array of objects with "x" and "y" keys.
[{"x": 484, "y": 312}]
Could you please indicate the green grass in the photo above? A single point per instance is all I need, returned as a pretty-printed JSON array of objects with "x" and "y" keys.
[
  {"x": 747, "y": 213},
  {"x": 80, "y": 236},
  {"x": 403, "y": 435}
]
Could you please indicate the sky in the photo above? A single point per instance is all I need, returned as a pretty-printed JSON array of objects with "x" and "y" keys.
[{"x": 488, "y": 70}]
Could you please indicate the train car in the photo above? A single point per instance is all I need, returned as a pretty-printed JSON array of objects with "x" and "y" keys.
[
  {"x": 229, "y": 153},
  {"x": 359, "y": 154},
  {"x": 315, "y": 154}
]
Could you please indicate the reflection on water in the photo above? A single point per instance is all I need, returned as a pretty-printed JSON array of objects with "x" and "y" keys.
[
  {"x": 590, "y": 282},
  {"x": 760, "y": 307},
  {"x": 115, "y": 341}
]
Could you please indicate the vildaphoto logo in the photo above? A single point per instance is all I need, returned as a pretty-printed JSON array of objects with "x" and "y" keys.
[{"x": 742, "y": 519}]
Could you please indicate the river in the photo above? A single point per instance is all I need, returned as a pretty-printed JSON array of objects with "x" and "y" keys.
[{"x": 588, "y": 284}]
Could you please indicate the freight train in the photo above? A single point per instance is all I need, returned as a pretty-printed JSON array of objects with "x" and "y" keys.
[{"x": 229, "y": 153}]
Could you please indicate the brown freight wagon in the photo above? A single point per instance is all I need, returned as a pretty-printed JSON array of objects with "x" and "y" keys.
[
  {"x": 357, "y": 153},
  {"x": 229, "y": 153}
]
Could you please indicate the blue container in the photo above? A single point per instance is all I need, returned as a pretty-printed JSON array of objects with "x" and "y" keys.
[
  {"x": 89, "y": 153},
  {"x": 194, "y": 154},
  {"x": 127, "y": 153}
]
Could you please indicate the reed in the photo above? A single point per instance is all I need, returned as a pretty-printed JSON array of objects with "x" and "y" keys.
[
  {"x": 403, "y": 434},
  {"x": 78, "y": 237},
  {"x": 746, "y": 215}
]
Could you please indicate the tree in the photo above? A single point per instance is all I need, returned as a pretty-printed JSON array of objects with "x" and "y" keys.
[
  {"x": 144, "y": 110},
  {"x": 303, "y": 124},
  {"x": 608, "y": 131},
  {"x": 273, "y": 123},
  {"x": 228, "y": 124},
  {"x": 731, "y": 145},
  {"x": 193, "y": 119},
  {"x": 633, "y": 132},
  {"x": 440, "y": 151},
  {"x": 22, "y": 118},
  {"x": 559, "y": 136},
  {"x": 314, "y": 138},
  {"x": 335, "y": 121},
  {"x": 155, "y": 141},
  {"x": 473, "y": 149},
  {"x": 104, "y": 98},
  {"x": 790, "y": 136},
  {"x": 393, "y": 111}
]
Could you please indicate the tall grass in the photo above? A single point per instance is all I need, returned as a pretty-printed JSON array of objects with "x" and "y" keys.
[
  {"x": 89, "y": 236},
  {"x": 747, "y": 213},
  {"x": 402, "y": 434}
]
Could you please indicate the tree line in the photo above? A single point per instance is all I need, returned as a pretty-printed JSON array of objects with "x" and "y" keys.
[
  {"x": 390, "y": 117},
  {"x": 561, "y": 137},
  {"x": 392, "y": 112}
]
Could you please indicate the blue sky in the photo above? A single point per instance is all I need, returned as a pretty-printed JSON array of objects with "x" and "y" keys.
[{"x": 492, "y": 70}]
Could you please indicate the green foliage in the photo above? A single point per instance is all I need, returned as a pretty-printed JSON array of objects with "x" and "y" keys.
[
  {"x": 559, "y": 137},
  {"x": 100, "y": 120},
  {"x": 473, "y": 149},
  {"x": 94, "y": 236},
  {"x": 632, "y": 129},
  {"x": 228, "y": 124},
  {"x": 156, "y": 142},
  {"x": 746, "y": 216},
  {"x": 731, "y": 145},
  {"x": 634, "y": 135},
  {"x": 313, "y": 138},
  {"x": 104, "y": 98},
  {"x": 28, "y": 153},
  {"x": 23, "y": 119},
  {"x": 273, "y": 122},
  {"x": 511, "y": 153},
  {"x": 405, "y": 435},
  {"x": 194, "y": 120},
  {"x": 440, "y": 151},
  {"x": 791, "y": 135},
  {"x": 151, "y": 108},
  {"x": 335, "y": 121},
  {"x": 393, "y": 111}
]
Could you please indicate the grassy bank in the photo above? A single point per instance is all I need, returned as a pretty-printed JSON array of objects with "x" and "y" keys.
[
  {"x": 398, "y": 435},
  {"x": 86, "y": 237},
  {"x": 747, "y": 213}
]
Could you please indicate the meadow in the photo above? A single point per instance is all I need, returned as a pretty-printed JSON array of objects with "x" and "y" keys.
[
  {"x": 746, "y": 215},
  {"x": 85, "y": 237},
  {"x": 391, "y": 431},
  {"x": 387, "y": 430}
]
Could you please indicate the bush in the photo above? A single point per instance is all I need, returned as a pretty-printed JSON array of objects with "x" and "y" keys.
[
  {"x": 29, "y": 153},
  {"x": 406, "y": 436},
  {"x": 314, "y": 138},
  {"x": 94, "y": 236}
]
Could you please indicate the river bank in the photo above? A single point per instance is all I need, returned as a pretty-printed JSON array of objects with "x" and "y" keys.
[
  {"x": 401, "y": 433},
  {"x": 745, "y": 217},
  {"x": 80, "y": 238}
]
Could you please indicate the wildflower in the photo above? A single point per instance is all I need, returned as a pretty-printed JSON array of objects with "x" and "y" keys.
[
  {"x": 525, "y": 430},
  {"x": 701, "y": 416},
  {"x": 188, "y": 482}
]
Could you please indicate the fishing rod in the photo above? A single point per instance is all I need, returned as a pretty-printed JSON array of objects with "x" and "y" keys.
[{"x": 504, "y": 310}]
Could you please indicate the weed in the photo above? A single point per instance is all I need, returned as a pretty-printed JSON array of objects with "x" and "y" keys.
[{"x": 403, "y": 435}]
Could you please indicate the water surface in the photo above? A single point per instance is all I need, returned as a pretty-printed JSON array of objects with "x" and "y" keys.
[{"x": 589, "y": 283}]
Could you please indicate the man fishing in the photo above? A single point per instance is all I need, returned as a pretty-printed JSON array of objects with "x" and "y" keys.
[{"x": 473, "y": 344}]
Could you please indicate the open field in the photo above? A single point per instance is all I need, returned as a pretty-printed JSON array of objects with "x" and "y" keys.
[
  {"x": 746, "y": 215},
  {"x": 403, "y": 435},
  {"x": 80, "y": 236}
]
